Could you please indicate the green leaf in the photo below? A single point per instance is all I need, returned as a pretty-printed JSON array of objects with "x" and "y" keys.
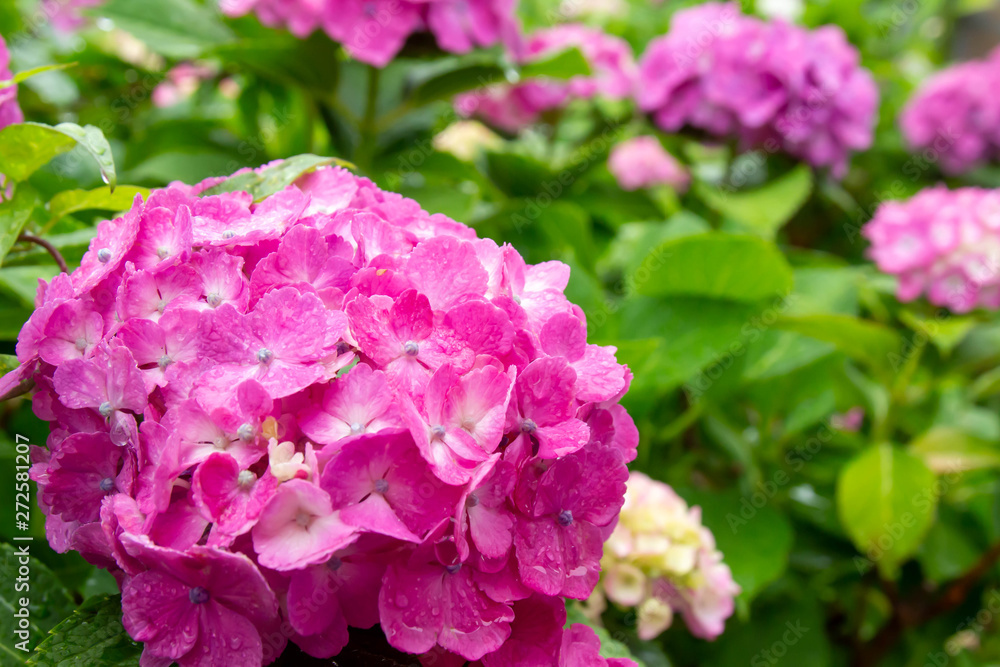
[
  {"x": 868, "y": 342},
  {"x": 174, "y": 28},
  {"x": 610, "y": 647},
  {"x": 754, "y": 538},
  {"x": 886, "y": 501},
  {"x": 563, "y": 65},
  {"x": 289, "y": 60},
  {"x": 14, "y": 215},
  {"x": 718, "y": 265},
  {"x": 763, "y": 210},
  {"x": 74, "y": 201},
  {"x": 946, "y": 449},
  {"x": 8, "y": 362},
  {"x": 274, "y": 179},
  {"x": 48, "y": 601},
  {"x": 27, "y": 74},
  {"x": 21, "y": 282},
  {"x": 93, "y": 636},
  {"x": 522, "y": 176},
  {"x": 793, "y": 629},
  {"x": 666, "y": 342},
  {"x": 944, "y": 332},
  {"x": 26, "y": 147},
  {"x": 447, "y": 84}
]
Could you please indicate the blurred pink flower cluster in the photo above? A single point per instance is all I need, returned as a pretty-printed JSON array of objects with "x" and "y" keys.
[
  {"x": 374, "y": 31},
  {"x": 514, "y": 106},
  {"x": 10, "y": 112},
  {"x": 274, "y": 421},
  {"x": 67, "y": 15},
  {"x": 955, "y": 115},
  {"x": 661, "y": 560},
  {"x": 942, "y": 243},
  {"x": 767, "y": 83},
  {"x": 642, "y": 162}
]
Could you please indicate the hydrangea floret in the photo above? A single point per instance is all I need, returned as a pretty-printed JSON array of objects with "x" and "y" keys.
[
  {"x": 661, "y": 560},
  {"x": 374, "y": 31},
  {"x": 955, "y": 116},
  {"x": 512, "y": 107},
  {"x": 766, "y": 83},
  {"x": 276, "y": 420},
  {"x": 942, "y": 243},
  {"x": 643, "y": 162}
]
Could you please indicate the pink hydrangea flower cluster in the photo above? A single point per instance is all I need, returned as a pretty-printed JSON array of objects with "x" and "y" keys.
[
  {"x": 374, "y": 31},
  {"x": 643, "y": 162},
  {"x": 67, "y": 15},
  {"x": 660, "y": 559},
  {"x": 274, "y": 421},
  {"x": 512, "y": 107},
  {"x": 942, "y": 243},
  {"x": 955, "y": 115},
  {"x": 10, "y": 111},
  {"x": 769, "y": 84}
]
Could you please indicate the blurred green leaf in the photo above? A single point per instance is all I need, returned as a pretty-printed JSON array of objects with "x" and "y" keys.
[
  {"x": 174, "y": 28},
  {"x": 93, "y": 636},
  {"x": 782, "y": 632},
  {"x": 874, "y": 344},
  {"x": 312, "y": 63},
  {"x": 717, "y": 265},
  {"x": 48, "y": 601},
  {"x": 447, "y": 84},
  {"x": 27, "y": 74},
  {"x": 944, "y": 332},
  {"x": 563, "y": 65},
  {"x": 21, "y": 282},
  {"x": 753, "y": 536},
  {"x": 765, "y": 209},
  {"x": 886, "y": 502},
  {"x": 14, "y": 215},
  {"x": 948, "y": 450},
  {"x": 25, "y": 147},
  {"x": 523, "y": 176}
]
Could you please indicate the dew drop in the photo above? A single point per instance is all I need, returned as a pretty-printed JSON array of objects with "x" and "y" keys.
[
  {"x": 104, "y": 255},
  {"x": 105, "y": 409},
  {"x": 411, "y": 348}
]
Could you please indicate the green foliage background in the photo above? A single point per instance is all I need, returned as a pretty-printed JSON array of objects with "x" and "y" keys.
[{"x": 745, "y": 308}]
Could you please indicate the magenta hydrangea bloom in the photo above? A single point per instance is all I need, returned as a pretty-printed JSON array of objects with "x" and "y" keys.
[
  {"x": 769, "y": 84},
  {"x": 512, "y": 107},
  {"x": 10, "y": 112},
  {"x": 943, "y": 244},
  {"x": 334, "y": 403},
  {"x": 643, "y": 162},
  {"x": 954, "y": 115},
  {"x": 374, "y": 31}
]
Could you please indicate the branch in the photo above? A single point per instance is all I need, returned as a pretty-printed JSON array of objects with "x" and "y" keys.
[
  {"x": 56, "y": 255},
  {"x": 914, "y": 612}
]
